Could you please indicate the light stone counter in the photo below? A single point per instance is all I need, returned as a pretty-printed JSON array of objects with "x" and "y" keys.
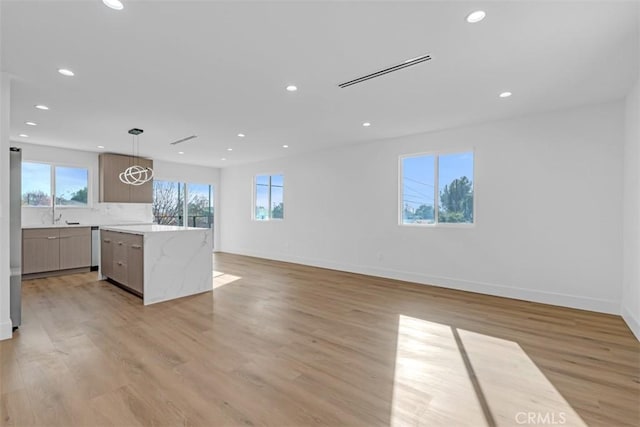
[
  {"x": 65, "y": 225},
  {"x": 177, "y": 260}
]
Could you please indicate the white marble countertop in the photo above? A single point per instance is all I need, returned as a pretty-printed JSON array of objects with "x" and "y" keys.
[
  {"x": 149, "y": 228},
  {"x": 63, "y": 225}
]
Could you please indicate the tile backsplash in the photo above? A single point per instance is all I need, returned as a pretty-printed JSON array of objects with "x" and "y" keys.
[{"x": 100, "y": 213}]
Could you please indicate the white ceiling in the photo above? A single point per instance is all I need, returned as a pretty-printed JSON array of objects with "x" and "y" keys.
[{"x": 176, "y": 68}]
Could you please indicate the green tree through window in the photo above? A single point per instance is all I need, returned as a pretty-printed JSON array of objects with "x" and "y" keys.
[
  {"x": 457, "y": 201},
  {"x": 269, "y": 197}
]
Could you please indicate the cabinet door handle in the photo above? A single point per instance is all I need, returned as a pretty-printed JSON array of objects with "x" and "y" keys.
[
  {"x": 120, "y": 243},
  {"x": 119, "y": 262},
  {"x": 107, "y": 240},
  {"x": 52, "y": 237},
  {"x": 136, "y": 246}
]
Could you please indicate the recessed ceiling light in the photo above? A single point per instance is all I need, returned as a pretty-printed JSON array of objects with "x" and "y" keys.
[
  {"x": 505, "y": 94},
  {"x": 31, "y": 123},
  {"x": 476, "y": 16},
  {"x": 100, "y": 146},
  {"x": 285, "y": 146},
  {"x": 223, "y": 159},
  {"x": 66, "y": 72},
  {"x": 23, "y": 135},
  {"x": 180, "y": 152},
  {"x": 229, "y": 149},
  {"x": 241, "y": 135},
  {"x": 292, "y": 88},
  {"x": 113, "y": 4},
  {"x": 366, "y": 124},
  {"x": 41, "y": 107}
]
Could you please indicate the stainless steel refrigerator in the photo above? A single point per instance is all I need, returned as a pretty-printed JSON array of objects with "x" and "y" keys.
[{"x": 15, "y": 236}]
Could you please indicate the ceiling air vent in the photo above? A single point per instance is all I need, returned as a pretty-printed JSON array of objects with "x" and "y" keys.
[
  {"x": 180, "y": 141},
  {"x": 405, "y": 64}
]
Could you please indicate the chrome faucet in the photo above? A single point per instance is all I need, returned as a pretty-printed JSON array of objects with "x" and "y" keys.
[{"x": 54, "y": 220}]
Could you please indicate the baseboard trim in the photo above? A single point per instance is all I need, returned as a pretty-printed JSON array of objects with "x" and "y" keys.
[
  {"x": 55, "y": 273},
  {"x": 631, "y": 321},
  {"x": 558, "y": 299},
  {"x": 6, "y": 330}
]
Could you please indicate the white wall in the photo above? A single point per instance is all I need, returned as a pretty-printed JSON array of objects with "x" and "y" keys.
[
  {"x": 631, "y": 239},
  {"x": 548, "y": 198}
]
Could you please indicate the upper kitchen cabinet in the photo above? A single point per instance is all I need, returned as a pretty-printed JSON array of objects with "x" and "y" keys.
[
  {"x": 142, "y": 193},
  {"x": 115, "y": 191}
]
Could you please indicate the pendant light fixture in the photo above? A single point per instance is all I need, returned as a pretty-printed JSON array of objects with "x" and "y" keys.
[{"x": 136, "y": 174}]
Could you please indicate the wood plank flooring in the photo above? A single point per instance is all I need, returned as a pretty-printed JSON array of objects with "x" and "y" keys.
[{"x": 286, "y": 345}]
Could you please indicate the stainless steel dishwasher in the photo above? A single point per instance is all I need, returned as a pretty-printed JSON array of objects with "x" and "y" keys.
[{"x": 95, "y": 248}]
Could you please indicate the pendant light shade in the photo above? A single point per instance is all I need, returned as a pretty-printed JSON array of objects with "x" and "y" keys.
[{"x": 136, "y": 174}]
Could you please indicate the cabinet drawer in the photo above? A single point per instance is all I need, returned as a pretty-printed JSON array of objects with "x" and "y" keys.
[
  {"x": 108, "y": 236},
  {"x": 39, "y": 233},
  {"x": 120, "y": 244},
  {"x": 135, "y": 240},
  {"x": 120, "y": 272},
  {"x": 75, "y": 231}
]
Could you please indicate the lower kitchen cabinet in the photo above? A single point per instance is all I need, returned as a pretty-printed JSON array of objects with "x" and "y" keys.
[
  {"x": 75, "y": 247},
  {"x": 51, "y": 250},
  {"x": 119, "y": 271},
  {"x": 122, "y": 259},
  {"x": 40, "y": 250},
  {"x": 106, "y": 253},
  {"x": 135, "y": 265}
]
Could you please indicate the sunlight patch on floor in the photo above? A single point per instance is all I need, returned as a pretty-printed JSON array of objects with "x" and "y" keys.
[
  {"x": 221, "y": 279},
  {"x": 431, "y": 386},
  {"x": 449, "y": 376}
]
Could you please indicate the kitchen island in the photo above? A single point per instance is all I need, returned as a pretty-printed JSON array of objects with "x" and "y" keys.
[{"x": 157, "y": 262}]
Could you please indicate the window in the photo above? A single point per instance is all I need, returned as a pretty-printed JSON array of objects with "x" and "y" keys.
[
  {"x": 71, "y": 186},
  {"x": 36, "y": 184},
  {"x": 200, "y": 205},
  {"x": 40, "y": 181},
  {"x": 269, "y": 197},
  {"x": 168, "y": 202},
  {"x": 452, "y": 176},
  {"x": 169, "y": 207}
]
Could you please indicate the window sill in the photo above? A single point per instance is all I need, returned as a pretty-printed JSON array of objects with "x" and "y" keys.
[
  {"x": 57, "y": 207},
  {"x": 440, "y": 225}
]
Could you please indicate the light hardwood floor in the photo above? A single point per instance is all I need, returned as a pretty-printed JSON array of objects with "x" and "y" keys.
[{"x": 287, "y": 345}]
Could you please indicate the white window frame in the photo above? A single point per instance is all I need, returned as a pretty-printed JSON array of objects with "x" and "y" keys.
[
  {"x": 255, "y": 195},
  {"x": 185, "y": 194},
  {"x": 52, "y": 172},
  {"x": 436, "y": 168}
]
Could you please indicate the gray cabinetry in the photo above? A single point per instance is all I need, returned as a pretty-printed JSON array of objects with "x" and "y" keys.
[
  {"x": 115, "y": 191},
  {"x": 40, "y": 250},
  {"x": 55, "y": 249},
  {"x": 75, "y": 247},
  {"x": 106, "y": 253},
  {"x": 122, "y": 259}
]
